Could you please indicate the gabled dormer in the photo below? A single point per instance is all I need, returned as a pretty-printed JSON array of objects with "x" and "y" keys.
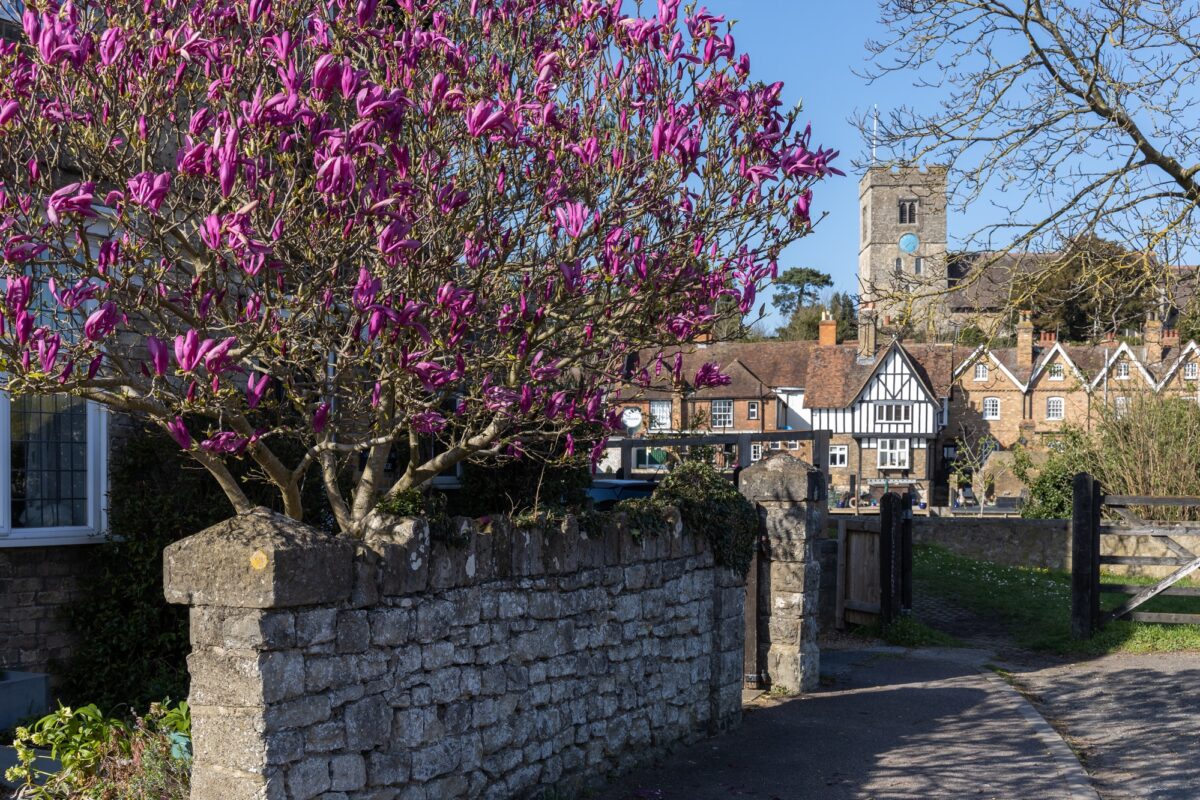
[{"x": 1124, "y": 369}]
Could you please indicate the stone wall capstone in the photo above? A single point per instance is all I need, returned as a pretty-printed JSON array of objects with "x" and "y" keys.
[{"x": 497, "y": 664}]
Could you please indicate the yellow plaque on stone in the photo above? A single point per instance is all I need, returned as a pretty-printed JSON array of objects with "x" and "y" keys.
[{"x": 258, "y": 560}]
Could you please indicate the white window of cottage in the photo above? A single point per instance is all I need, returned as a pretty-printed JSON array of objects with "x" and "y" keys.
[
  {"x": 1191, "y": 371},
  {"x": 1122, "y": 371},
  {"x": 839, "y": 455},
  {"x": 755, "y": 451},
  {"x": 722, "y": 413},
  {"x": 893, "y": 412},
  {"x": 1055, "y": 408},
  {"x": 56, "y": 463},
  {"x": 660, "y": 415},
  {"x": 991, "y": 408},
  {"x": 1056, "y": 372},
  {"x": 752, "y": 409},
  {"x": 981, "y": 372},
  {"x": 893, "y": 453}
]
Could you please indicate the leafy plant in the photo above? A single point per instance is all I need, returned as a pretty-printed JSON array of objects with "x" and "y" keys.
[
  {"x": 645, "y": 516},
  {"x": 105, "y": 758},
  {"x": 711, "y": 506}
]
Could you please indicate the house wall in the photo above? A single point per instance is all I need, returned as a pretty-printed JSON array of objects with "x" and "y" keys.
[{"x": 35, "y": 583}]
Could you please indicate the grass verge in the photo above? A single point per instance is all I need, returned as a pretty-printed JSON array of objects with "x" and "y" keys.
[{"x": 1035, "y": 605}]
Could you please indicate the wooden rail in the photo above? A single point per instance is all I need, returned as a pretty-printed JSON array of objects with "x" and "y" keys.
[{"x": 1088, "y": 505}]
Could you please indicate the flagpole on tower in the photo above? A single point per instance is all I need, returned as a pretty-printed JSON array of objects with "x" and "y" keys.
[{"x": 874, "y": 133}]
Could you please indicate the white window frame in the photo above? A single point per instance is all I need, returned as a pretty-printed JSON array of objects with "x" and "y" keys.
[
  {"x": 839, "y": 455},
  {"x": 981, "y": 372},
  {"x": 755, "y": 451},
  {"x": 1121, "y": 372},
  {"x": 97, "y": 487},
  {"x": 1191, "y": 371},
  {"x": 792, "y": 444},
  {"x": 893, "y": 454},
  {"x": 726, "y": 413},
  {"x": 1056, "y": 372},
  {"x": 993, "y": 413},
  {"x": 1121, "y": 405},
  {"x": 776, "y": 445},
  {"x": 1051, "y": 404},
  {"x": 656, "y": 423},
  {"x": 752, "y": 409},
  {"x": 891, "y": 412}
]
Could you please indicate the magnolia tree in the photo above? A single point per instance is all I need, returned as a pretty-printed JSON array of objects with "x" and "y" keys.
[{"x": 305, "y": 233}]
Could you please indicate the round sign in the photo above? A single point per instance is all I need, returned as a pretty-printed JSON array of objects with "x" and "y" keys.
[
  {"x": 909, "y": 242},
  {"x": 631, "y": 418}
]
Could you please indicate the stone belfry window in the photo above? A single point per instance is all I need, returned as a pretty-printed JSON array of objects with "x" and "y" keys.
[{"x": 908, "y": 212}]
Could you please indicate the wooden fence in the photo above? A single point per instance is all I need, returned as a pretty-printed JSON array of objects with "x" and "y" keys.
[
  {"x": 1093, "y": 516},
  {"x": 874, "y": 564}
]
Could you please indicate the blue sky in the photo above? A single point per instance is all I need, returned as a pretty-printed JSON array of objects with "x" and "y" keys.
[{"x": 813, "y": 48}]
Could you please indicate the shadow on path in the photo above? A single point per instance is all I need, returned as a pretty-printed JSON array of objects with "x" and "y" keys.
[{"x": 889, "y": 725}]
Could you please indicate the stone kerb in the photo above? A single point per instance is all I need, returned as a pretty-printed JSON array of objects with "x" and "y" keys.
[
  {"x": 487, "y": 663},
  {"x": 789, "y": 494}
]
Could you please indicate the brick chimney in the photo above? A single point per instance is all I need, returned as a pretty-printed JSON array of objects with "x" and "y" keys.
[
  {"x": 1170, "y": 337},
  {"x": 867, "y": 335},
  {"x": 827, "y": 334},
  {"x": 1025, "y": 342},
  {"x": 1152, "y": 337},
  {"x": 1047, "y": 339}
]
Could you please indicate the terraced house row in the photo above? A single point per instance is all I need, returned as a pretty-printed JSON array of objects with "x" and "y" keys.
[{"x": 898, "y": 412}]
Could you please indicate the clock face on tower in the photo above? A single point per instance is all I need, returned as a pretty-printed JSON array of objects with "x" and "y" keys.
[{"x": 909, "y": 242}]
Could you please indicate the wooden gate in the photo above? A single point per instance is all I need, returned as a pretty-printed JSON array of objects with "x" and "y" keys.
[
  {"x": 1088, "y": 525},
  {"x": 874, "y": 563}
]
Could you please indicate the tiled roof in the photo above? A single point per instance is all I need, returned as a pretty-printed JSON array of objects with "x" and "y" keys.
[
  {"x": 983, "y": 281},
  {"x": 836, "y": 375},
  {"x": 754, "y": 367}
]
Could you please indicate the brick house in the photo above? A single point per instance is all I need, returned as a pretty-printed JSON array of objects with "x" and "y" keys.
[
  {"x": 1027, "y": 394},
  {"x": 884, "y": 407}
]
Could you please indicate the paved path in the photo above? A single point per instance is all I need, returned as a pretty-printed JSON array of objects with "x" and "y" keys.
[
  {"x": 1134, "y": 719},
  {"x": 887, "y": 723}
]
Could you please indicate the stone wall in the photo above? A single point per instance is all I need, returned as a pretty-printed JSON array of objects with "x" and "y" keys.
[
  {"x": 35, "y": 583},
  {"x": 1006, "y": 540},
  {"x": 402, "y": 669},
  {"x": 1018, "y": 542}
]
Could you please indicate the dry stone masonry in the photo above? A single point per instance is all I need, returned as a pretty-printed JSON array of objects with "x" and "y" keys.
[
  {"x": 494, "y": 665},
  {"x": 789, "y": 495}
]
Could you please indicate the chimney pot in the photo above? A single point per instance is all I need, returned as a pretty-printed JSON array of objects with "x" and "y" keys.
[
  {"x": 1152, "y": 338},
  {"x": 1025, "y": 341},
  {"x": 827, "y": 332},
  {"x": 866, "y": 334}
]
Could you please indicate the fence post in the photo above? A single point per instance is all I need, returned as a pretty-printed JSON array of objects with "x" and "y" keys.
[
  {"x": 1094, "y": 577},
  {"x": 751, "y": 669},
  {"x": 906, "y": 554},
  {"x": 1084, "y": 557},
  {"x": 891, "y": 520}
]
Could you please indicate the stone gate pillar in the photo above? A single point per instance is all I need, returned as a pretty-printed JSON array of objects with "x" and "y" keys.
[{"x": 789, "y": 495}]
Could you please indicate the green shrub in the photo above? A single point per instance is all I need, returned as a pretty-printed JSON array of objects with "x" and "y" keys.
[
  {"x": 711, "y": 506},
  {"x": 522, "y": 485},
  {"x": 645, "y": 516},
  {"x": 104, "y": 758},
  {"x": 131, "y": 645}
]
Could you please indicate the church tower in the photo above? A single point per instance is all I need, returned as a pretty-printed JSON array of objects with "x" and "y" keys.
[{"x": 902, "y": 244}]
